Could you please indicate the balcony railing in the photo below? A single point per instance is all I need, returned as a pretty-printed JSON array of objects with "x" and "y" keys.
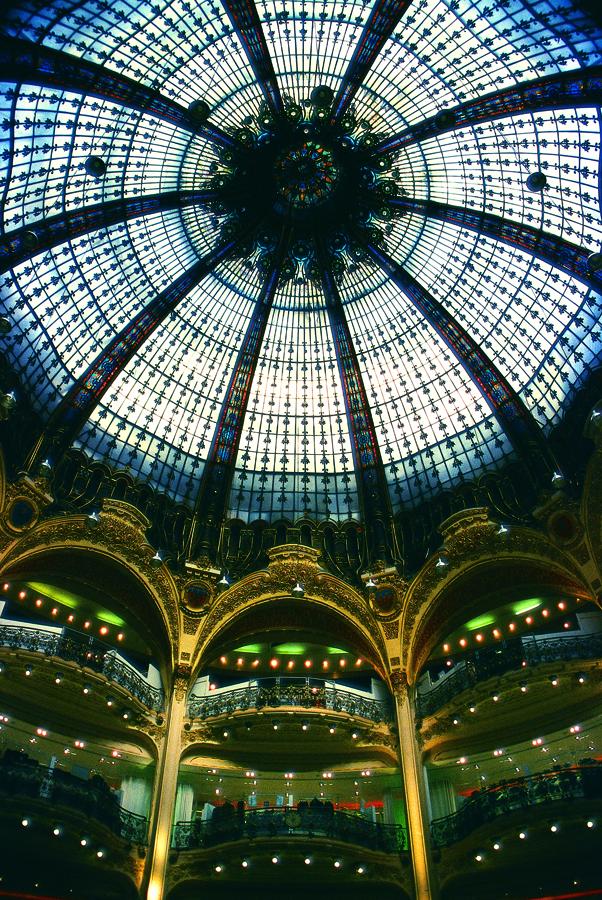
[
  {"x": 86, "y": 651},
  {"x": 93, "y": 798},
  {"x": 307, "y": 696},
  {"x": 507, "y": 657},
  {"x": 308, "y": 824},
  {"x": 584, "y": 781}
]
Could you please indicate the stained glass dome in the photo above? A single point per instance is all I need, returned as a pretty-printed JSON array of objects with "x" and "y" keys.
[{"x": 330, "y": 258}]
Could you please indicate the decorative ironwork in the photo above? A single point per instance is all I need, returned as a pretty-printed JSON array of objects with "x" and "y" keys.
[
  {"x": 509, "y": 656},
  {"x": 245, "y": 19},
  {"x": 37, "y": 64},
  {"x": 21, "y": 776},
  {"x": 307, "y": 696},
  {"x": 584, "y": 781},
  {"x": 24, "y": 243},
  {"x": 88, "y": 652},
  {"x": 384, "y": 17},
  {"x": 550, "y": 247},
  {"x": 307, "y": 824},
  {"x": 78, "y": 404},
  {"x": 512, "y": 414},
  {"x": 552, "y": 92},
  {"x": 374, "y": 492}
]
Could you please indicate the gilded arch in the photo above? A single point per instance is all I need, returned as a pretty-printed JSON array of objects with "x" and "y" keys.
[
  {"x": 115, "y": 545},
  {"x": 288, "y": 565},
  {"x": 477, "y": 557}
]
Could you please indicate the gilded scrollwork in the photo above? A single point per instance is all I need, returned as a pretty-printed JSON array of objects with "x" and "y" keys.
[
  {"x": 291, "y": 564},
  {"x": 118, "y": 532},
  {"x": 471, "y": 540}
]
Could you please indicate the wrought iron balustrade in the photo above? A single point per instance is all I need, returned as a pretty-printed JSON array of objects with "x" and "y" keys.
[
  {"x": 508, "y": 656},
  {"x": 310, "y": 824},
  {"x": 584, "y": 781},
  {"x": 86, "y": 651},
  {"x": 261, "y": 695},
  {"x": 57, "y": 788}
]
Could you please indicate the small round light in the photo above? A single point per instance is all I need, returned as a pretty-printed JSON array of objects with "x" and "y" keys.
[
  {"x": 104, "y": 630},
  {"x": 25, "y": 822},
  {"x": 57, "y": 831},
  {"x": 84, "y": 842},
  {"x": 360, "y": 870},
  {"x": 590, "y": 823},
  {"x": 337, "y": 863},
  {"x": 553, "y": 828},
  {"x": 307, "y": 861},
  {"x": 275, "y": 860},
  {"x": 479, "y": 857},
  {"x": 522, "y": 835},
  {"x": 218, "y": 869},
  {"x": 245, "y": 863},
  {"x": 497, "y": 845},
  {"x": 100, "y": 853}
]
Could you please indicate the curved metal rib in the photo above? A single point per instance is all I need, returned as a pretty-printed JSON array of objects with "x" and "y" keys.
[
  {"x": 548, "y": 247},
  {"x": 512, "y": 414},
  {"x": 570, "y": 89},
  {"x": 24, "y": 61},
  {"x": 24, "y": 243},
  {"x": 213, "y": 494},
  {"x": 383, "y": 19},
  {"x": 77, "y": 405},
  {"x": 375, "y": 500},
  {"x": 245, "y": 21}
]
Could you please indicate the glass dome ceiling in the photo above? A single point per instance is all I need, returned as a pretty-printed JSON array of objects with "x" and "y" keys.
[{"x": 403, "y": 308}]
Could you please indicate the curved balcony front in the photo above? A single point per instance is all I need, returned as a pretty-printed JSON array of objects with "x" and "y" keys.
[
  {"x": 509, "y": 656},
  {"x": 87, "y": 652},
  {"x": 548, "y": 789},
  {"x": 53, "y": 790},
  {"x": 263, "y": 693},
  {"x": 307, "y": 824}
]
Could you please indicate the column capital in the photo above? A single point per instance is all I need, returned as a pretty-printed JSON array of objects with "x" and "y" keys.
[
  {"x": 399, "y": 685},
  {"x": 181, "y": 681}
]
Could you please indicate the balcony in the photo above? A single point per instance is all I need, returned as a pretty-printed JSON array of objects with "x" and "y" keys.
[
  {"x": 583, "y": 782},
  {"x": 309, "y": 825},
  {"x": 53, "y": 790},
  {"x": 264, "y": 693},
  {"x": 87, "y": 652},
  {"x": 510, "y": 656}
]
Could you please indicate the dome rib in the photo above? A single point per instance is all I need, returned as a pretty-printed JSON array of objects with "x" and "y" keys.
[
  {"x": 24, "y": 61},
  {"x": 514, "y": 417},
  {"x": 553, "y": 249},
  {"x": 77, "y": 405},
  {"x": 384, "y": 17},
  {"x": 374, "y": 497},
  {"x": 214, "y": 490},
  {"x": 45, "y": 234},
  {"x": 245, "y": 20},
  {"x": 582, "y": 87}
]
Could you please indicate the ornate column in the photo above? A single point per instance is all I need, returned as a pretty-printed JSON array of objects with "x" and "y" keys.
[
  {"x": 425, "y": 881},
  {"x": 164, "y": 793}
]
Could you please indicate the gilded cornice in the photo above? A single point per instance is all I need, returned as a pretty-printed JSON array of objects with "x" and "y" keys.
[
  {"x": 289, "y": 564},
  {"x": 471, "y": 540}
]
